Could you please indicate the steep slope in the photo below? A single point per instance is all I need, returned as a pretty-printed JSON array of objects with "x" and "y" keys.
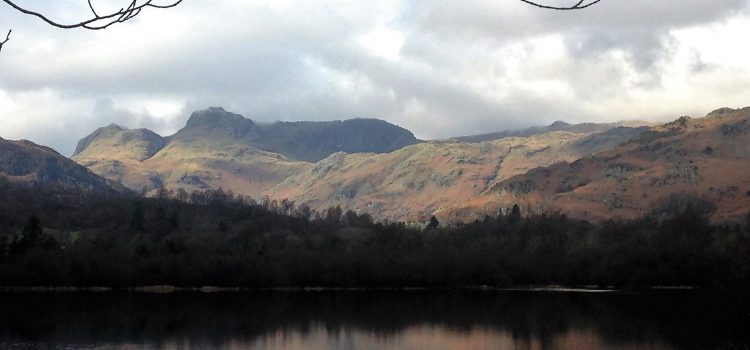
[
  {"x": 303, "y": 141},
  {"x": 708, "y": 158},
  {"x": 411, "y": 183},
  {"x": 203, "y": 164},
  {"x": 217, "y": 148},
  {"x": 214, "y": 150},
  {"x": 117, "y": 154},
  {"x": 26, "y": 162}
]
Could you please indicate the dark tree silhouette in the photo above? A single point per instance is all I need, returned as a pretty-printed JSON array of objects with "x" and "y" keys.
[
  {"x": 32, "y": 232},
  {"x": 119, "y": 240},
  {"x": 434, "y": 223},
  {"x": 515, "y": 214},
  {"x": 580, "y": 5}
]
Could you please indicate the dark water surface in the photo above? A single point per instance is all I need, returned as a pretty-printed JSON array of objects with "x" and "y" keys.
[{"x": 373, "y": 320}]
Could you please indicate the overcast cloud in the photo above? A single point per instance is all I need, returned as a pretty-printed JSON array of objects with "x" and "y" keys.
[{"x": 438, "y": 68}]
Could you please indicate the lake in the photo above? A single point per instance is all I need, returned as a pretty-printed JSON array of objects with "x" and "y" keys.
[{"x": 461, "y": 319}]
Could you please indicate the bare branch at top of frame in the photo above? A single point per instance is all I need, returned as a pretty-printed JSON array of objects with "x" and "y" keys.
[
  {"x": 99, "y": 21},
  {"x": 7, "y": 37},
  {"x": 578, "y": 6}
]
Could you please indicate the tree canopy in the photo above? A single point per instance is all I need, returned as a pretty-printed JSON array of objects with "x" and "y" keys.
[{"x": 60, "y": 237}]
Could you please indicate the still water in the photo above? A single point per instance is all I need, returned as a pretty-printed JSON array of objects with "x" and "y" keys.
[{"x": 374, "y": 320}]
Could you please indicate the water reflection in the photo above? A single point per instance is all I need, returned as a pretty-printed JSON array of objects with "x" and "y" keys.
[
  {"x": 372, "y": 320},
  {"x": 433, "y": 337}
]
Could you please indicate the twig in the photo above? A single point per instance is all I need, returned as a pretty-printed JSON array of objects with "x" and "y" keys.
[
  {"x": 7, "y": 37},
  {"x": 99, "y": 21},
  {"x": 579, "y": 6}
]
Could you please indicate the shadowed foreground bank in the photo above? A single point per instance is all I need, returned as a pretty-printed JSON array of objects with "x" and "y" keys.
[
  {"x": 51, "y": 236},
  {"x": 372, "y": 319}
]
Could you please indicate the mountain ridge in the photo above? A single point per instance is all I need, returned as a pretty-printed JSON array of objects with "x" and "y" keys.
[
  {"x": 594, "y": 172},
  {"x": 412, "y": 183},
  {"x": 705, "y": 158},
  {"x": 220, "y": 149},
  {"x": 303, "y": 141},
  {"x": 26, "y": 162},
  {"x": 558, "y": 125}
]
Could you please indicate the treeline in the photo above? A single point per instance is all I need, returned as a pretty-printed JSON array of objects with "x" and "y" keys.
[{"x": 56, "y": 237}]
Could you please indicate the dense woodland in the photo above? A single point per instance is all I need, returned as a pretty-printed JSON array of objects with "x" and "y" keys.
[{"x": 50, "y": 236}]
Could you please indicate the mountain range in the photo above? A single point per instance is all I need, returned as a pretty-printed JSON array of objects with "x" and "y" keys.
[{"x": 591, "y": 171}]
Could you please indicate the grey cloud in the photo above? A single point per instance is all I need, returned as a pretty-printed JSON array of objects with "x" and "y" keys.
[
  {"x": 103, "y": 112},
  {"x": 638, "y": 27},
  {"x": 514, "y": 20},
  {"x": 105, "y": 109},
  {"x": 697, "y": 65},
  {"x": 270, "y": 64}
]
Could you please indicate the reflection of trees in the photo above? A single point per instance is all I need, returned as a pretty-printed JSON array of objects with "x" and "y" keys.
[{"x": 677, "y": 319}]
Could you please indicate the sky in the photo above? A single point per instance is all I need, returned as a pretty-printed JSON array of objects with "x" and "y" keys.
[{"x": 438, "y": 68}]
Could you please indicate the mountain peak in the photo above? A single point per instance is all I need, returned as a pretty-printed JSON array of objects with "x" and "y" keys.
[
  {"x": 559, "y": 124},
  {"x": 141, "y": 144},
  {"x": 308, "y": 141},
  {"x": 216, "y": 120},
  {"x": 213, "y": 116},
  {"x": 727, "y": 112},
  {"x": 313, "y": 141},
  {"x": 114, "y": 126},
  {"x": 723, "y": 110},
  {"x": 105, "y": 131}
]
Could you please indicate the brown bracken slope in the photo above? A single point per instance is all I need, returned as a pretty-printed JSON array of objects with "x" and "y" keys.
[
  {"x": 412, "y": 183},
  {"x": 707, "y": 158}
]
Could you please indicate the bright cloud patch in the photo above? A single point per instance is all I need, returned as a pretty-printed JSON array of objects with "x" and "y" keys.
[{"x": 384, "y": 42}]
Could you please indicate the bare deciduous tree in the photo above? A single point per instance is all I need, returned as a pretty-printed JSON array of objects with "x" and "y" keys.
[{"x": 580, "y": 5}]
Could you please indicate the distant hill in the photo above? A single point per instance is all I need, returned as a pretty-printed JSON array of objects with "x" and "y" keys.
[
  {"x": 414, "y": 182},
  {"x": 583, "y": 128},
  {"x": 706, "y": 158},
  {"x": 303, "y": 141},
  {"x": 217, "y": 148},
  {"x": 26, "y": 162},
  {"x": 314, "y": 141}
]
